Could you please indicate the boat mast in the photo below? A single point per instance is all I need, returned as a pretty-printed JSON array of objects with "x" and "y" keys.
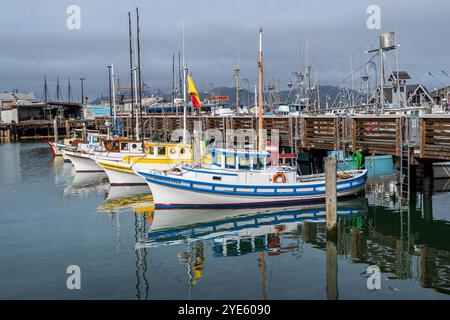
[
  {"x": 135, "y": 88},
  {"x": 236, "y": 76},
  {"x": 69, "y": 91},
  {"x": 131, "y": 70},
  {"x": 140, "y": 77},
  {"x": 173, "y": 77},
  {"x": 184, "y": 94},
  {"x": 260, "y": 104},
  {"x": 45, "y": 89},
  {"x": 113, "y": 76},
  {"x": 381, "y": 80}
]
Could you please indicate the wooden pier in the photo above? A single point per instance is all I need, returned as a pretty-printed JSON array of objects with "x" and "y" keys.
[
  {"x": 427, "y": 136},
  {"x": 44, "y": 129}
]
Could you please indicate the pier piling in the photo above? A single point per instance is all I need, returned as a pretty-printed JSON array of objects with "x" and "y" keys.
[
  {"x": 332, "y": 271},
  {"x": 331, "y": 197}
]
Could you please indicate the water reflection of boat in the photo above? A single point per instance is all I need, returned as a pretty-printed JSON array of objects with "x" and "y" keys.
[
  {"x": 116, "y": 192},
  {"x": 85, "y": 182},
  {"x": 137, "y": 198},
  {"x": 189, "y": 225}
]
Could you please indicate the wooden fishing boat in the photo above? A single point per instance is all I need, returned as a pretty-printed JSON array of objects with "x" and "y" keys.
[
  {"x": 84, "y": 159},
  {"x": 241, "y": 178},
  {"x": 159, "y": 157}
]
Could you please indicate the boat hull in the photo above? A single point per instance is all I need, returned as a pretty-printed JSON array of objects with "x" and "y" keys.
[
  {"x": 83, "y": 162},
  {"x": 170, "y": 192},
  {"x": 54, "y": 148},
  {"x": 65, "y": 157},
  {"x": 120, "y": 174}
]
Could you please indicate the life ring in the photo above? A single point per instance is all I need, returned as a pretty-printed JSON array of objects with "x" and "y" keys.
[{"x": 279, "y": 175}]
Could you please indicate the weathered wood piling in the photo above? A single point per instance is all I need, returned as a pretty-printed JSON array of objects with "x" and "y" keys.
[{"x": 331, "y": 196}]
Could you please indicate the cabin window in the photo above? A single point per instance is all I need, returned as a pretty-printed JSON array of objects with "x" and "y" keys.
[
  {"x": 244, "y": 163},
  {"x": 134, "y": 146},
  {"x": 124, "y": 146},
  {"x": 230, "y": 162},
  {"x": 182, "y": 151},
  {"x": 173, "y": 150},
  {"x": 115, "y": 146},
  {"x": 217, "y": 178},
  {"x": 161, "y": 151},
  {"x": 151, "y": 150}
]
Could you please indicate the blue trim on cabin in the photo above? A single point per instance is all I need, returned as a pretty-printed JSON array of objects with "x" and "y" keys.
[
  {"x": 248, "y": 153},
  {"x": 211, "y": 172}
]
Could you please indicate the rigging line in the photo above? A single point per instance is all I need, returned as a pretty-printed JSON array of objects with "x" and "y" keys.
[{"x": 358, "y": 69}]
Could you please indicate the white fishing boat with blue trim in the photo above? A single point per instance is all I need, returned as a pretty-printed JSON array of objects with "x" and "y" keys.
[{"x": 242, "y": 178}]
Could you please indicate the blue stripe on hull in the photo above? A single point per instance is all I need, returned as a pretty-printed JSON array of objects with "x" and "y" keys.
[{"x": 311, "y": 197}]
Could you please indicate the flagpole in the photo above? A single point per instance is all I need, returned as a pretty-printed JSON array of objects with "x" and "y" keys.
[{"x": 260, "y": 104}]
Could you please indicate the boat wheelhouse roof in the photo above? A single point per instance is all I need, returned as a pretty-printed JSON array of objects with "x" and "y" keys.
[
  {"x": 241, "y": 153},
  {"x": 165, "y": 144}
]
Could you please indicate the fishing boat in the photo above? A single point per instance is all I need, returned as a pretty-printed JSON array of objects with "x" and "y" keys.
[
  {"x": 79, "y": 136},
  {"x": 241, "y": 178},
  {"x": 84, "y": 159},
  {"x": 159, "y": 156}
]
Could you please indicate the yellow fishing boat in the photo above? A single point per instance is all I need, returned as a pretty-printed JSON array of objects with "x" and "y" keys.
[{"x": 158, "y": 157}]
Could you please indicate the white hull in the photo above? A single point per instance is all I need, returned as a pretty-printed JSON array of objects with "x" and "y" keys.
[
  {"x": 166, "y": 196},
  {"x": 83, "y": 162},
  {"x": 65, "y": 157},
  {"x": 121, "y": 178},
  {"x": 117, "y": 178}
]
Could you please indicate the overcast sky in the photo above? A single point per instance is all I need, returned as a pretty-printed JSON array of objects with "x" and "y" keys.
[{"x": 34, "y": 40}]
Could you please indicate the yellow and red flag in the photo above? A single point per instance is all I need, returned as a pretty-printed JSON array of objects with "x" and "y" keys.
[{"x": 195, "y": 98}]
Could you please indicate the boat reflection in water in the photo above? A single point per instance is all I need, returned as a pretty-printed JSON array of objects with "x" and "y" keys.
[
  {"x": 269, "y": 231},
  {"x": 119, "y": 198},
  {"x": 84, "y": 183},
  {"x": 176, "y": 226}
]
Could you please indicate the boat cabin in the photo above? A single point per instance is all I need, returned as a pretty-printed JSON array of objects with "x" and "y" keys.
[
  {"x": 123, "y": 145},
  {"x": 239, "y": 159},
  {"x": 175, "y": 151}
]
